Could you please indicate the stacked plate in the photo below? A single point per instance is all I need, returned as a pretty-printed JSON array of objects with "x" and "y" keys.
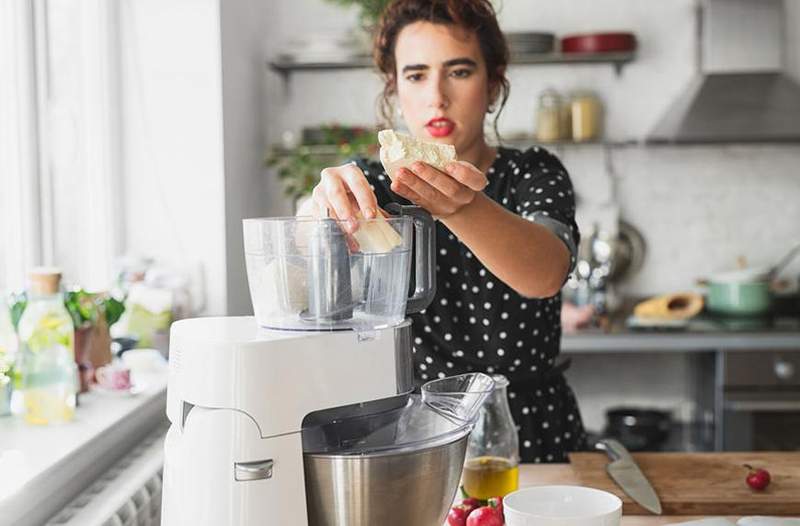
[
  {"x": 530, "y": 42},
  {"x": 327, "y": 48}
]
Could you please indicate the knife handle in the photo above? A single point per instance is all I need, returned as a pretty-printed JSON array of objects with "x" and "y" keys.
[{"x": 614, "y": 449}]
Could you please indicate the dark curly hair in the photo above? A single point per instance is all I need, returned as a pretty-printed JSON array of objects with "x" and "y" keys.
[{"x": 477, "y": 16}]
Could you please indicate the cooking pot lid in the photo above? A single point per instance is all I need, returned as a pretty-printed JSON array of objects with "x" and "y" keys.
[
  {"x": 444, "y": 413},
  {"x": 746, "y": 275}
]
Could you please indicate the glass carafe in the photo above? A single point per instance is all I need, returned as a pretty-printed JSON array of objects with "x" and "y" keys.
[
  {"x": 49, "y": 376},
  {"x": 491, "y": 468}
]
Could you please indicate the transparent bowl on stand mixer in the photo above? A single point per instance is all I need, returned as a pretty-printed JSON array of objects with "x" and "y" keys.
[{"x": 323, "y": 274}]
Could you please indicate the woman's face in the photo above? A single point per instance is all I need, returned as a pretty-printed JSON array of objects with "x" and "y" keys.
[{"x": 442, "y": 83}]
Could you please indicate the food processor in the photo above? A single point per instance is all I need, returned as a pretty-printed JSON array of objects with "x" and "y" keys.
[{"x": 304, "y": 414}]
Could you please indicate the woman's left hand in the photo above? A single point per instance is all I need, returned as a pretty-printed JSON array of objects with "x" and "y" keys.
[{"x": 440, "y": 193}]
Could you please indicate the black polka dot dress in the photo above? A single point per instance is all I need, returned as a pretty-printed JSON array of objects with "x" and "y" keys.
[{"x": 478, "y": 323}]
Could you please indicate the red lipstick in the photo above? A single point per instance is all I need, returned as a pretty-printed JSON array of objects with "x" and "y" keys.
[{"x": 440, "y": 127}]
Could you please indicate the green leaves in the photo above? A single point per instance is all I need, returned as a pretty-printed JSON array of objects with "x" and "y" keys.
[
  {"x": 18, "y": 303},
  {"x": 83, "y": 307},
  {"x": 299, "y": 168},
  {"x": 113, "y": 309},
  {"x": 370, "y": 9}
]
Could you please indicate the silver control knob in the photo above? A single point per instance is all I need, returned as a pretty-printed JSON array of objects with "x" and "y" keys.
[{"x": 784, "y": 370}]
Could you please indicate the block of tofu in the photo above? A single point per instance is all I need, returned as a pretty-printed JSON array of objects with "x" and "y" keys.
[
  {"x": 399, "y": 150},
  {"x": 376, "y": 236}
]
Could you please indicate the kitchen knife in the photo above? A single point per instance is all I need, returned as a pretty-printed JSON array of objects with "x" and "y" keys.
[{"x": 628, "y": 476}]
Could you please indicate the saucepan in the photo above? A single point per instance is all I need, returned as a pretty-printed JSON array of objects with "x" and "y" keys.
[{"x": 747, "y": 291}]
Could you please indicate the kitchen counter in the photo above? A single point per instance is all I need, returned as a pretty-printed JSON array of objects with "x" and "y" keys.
[
  {"x": 779, "y": 331},
  {"x": 547, "y": 474},
  {"x": 596, "y": 340},
  {"x": 43, "y": 468}
]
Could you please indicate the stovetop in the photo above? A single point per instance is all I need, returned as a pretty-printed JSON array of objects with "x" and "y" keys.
[{"x": 784, "y": 317}]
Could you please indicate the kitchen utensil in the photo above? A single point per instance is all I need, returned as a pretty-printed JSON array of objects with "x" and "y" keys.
[
  {"x": 703, "y": 483},
  {"x": 312, "y": 274},
  {"x": 746, "y": 291},
  {"x": 598, "y": 43},
  {"x": 312, "y": 426},
  {"x": 414, "y": 454},
  {"x": 628, "y": 476},
  {"x": 638, "y": 429},
  {"x": 562, "y": 506},
  {"x": 785, "y": 260},
  {"x": 739, "y": 298}
]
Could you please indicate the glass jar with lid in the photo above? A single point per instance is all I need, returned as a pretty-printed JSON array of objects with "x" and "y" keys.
[
  {"x": 491, "y": 468},
  {"x": 549, "y": 117},
  {"x": 586, "y": 116}
]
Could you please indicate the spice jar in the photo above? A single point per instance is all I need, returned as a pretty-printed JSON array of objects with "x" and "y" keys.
[
  {"x": 549, "y": 118},
  {"x": 586, "y": 115},
  {"x": 491, "y": 468}
]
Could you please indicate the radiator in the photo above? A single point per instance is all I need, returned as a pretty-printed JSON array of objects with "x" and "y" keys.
[{"x": 129, "y": 494}]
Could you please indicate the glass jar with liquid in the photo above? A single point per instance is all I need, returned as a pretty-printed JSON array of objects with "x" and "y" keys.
[
  {"x": 48, "y": 374},
  {"x": 491, "y": 468}
]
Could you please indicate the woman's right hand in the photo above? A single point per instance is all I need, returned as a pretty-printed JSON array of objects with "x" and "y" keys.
[{"x": 344, "y": 191}]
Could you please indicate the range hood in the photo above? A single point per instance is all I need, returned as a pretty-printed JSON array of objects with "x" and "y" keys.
[{"x": 741, "y": 93}]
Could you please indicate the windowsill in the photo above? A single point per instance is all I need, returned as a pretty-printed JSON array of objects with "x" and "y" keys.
[{"x": 43, "y": 468}]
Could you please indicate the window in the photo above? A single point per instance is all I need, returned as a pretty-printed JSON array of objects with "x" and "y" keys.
[{"x": 60, "y": 145}]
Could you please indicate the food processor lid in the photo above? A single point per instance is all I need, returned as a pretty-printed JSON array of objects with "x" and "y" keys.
[{"x": 421, "y": 422}]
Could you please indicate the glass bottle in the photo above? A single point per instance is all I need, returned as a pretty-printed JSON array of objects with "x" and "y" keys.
[
  {"x": 491, "y": 468},
  {"x": 48, "y": 374},
  {"x": 8, "y": 348}
]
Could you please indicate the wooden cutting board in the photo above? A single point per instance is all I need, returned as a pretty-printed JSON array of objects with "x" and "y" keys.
[{"x": 703, "y": 483}]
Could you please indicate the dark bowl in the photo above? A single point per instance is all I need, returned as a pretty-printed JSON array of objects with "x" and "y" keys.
[{"x": 638, "y": 429}]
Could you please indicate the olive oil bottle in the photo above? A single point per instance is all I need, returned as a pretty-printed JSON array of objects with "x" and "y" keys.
[{"x": 491, "y": 468}]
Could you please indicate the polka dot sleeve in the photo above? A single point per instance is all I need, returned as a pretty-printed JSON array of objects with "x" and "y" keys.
[{"x": 544, "y": 195}]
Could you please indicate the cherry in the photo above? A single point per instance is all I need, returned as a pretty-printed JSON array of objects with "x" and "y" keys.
[{"x": 758, "y": 479}]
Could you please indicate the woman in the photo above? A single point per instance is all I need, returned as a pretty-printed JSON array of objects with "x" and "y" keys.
[{"x": 506, "y": 234}]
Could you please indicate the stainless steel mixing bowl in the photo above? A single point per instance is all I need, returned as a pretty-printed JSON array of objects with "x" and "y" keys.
[{"x": 384, "y": 489}]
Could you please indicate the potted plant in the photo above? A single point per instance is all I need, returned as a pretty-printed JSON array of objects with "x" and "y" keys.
[
  {"x": 298, "y": 168},
  {"x": 369, "y": 10}
]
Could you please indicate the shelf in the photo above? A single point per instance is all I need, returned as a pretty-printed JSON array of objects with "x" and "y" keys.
[
  {"x": 518, "y": 141},
  {"x": 618, "y": 60}
]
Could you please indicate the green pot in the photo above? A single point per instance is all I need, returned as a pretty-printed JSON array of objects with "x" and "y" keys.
[{"x": 739, "y": 298}]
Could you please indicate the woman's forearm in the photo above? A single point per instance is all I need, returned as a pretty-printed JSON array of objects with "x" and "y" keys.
[{"x": 526, "y": 256}]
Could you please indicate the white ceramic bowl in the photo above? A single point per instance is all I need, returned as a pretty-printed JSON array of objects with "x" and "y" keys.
[{"x": 562, "y": 506}]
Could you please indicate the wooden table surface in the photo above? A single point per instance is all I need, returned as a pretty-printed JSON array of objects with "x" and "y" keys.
[{"x": 554, "y": 474}]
